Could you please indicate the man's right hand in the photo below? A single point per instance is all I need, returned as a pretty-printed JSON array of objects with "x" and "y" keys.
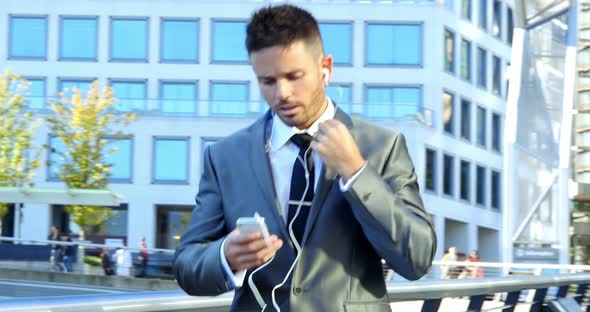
[{"x": 248, "y": 250}]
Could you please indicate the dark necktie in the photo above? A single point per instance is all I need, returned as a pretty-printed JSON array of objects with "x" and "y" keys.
[{"x": 298, "y": 186}]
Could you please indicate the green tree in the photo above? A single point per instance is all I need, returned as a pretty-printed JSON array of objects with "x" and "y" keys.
[
  {"x": 16, "y": 136},
  {"x": 84, "y": 124}
]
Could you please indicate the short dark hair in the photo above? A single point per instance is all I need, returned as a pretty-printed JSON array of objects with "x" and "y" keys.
[{"x": 281, "y": 25}]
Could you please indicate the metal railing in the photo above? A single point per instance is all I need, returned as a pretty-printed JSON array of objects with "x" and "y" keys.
[
  {"x": 175, "y": 108},
  {"x": 431, "y": 293}
]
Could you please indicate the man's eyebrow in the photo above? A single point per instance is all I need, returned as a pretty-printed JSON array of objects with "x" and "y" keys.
[{"x": 296, "y": 71}]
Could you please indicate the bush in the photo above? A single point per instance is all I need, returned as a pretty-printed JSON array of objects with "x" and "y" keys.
[{"x": 92, "y": 260}]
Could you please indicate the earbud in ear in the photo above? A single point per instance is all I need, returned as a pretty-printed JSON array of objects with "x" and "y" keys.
[{"x": 326, "y": 75}]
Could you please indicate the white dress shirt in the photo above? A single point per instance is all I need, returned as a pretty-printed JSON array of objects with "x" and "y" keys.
[{"x": 282, "y": 154}]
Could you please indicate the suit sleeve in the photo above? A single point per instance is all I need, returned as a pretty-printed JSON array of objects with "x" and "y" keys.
[
  {"x": 387, "y": 204},
  {"x": 197, "y": 262}
]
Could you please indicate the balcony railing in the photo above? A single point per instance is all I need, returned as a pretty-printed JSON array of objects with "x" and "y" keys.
[{"x": 252, "y": 109}]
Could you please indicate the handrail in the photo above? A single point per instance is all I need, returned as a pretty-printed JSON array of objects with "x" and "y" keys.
[
  {"x": 177, "y": 300},
  {"x": 64, "y": 243}
]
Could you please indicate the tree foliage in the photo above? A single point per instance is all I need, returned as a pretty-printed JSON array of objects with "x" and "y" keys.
[
  {"x": 84, "y": 124},
  {"x": 18, "y": 157}
]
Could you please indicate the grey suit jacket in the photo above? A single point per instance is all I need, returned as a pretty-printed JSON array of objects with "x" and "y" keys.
[{"x": 347, "y": 233}]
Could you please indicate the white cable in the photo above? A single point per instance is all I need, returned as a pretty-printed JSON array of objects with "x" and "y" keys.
[
  {"x": 295, "y": 242},
  {"x": 253, "y": 287}
]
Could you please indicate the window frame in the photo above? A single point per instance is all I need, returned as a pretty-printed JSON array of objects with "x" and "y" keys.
[
  {"x": 156, "y": 138},
  {"x": 469, "y": 78},
  {"x": 469, "y": 163},
  {"x": 485, "y": 186},
  {"x": 453, "y": 132},
  {"x": 147, "y": 39},
  {"x": 469, "y": 139},
  {"x": 131, "y": 157},
  {"x": 479, "y": 107},
  {"x": 60, "y": 79},
  {"x": 60, "y": 40},
  {"x": 366, "y": 87},
  {"x": 352, "y": 39},
  {"x": 453, "y": 181},
  {"x": 9, "y": 38},
  {"x": 162, "y": 82},
  {"x": 145, "y": 81},
  {"x": 435, "y": 189},
  {"x": 390, "y": 23},
  {"x": 453, "y": 71},
  {"x": 212, "y": 40},
  {"x": 44, "y": 97},
  {"x": 164, "y": 19}
]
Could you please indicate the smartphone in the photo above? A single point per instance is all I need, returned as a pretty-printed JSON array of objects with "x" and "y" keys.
[{"x": 254, "y": 224}]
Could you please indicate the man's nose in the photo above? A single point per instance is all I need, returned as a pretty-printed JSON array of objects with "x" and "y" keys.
[{"x": 283, "y": 89}]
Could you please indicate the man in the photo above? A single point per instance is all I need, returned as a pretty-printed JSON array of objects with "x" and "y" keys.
[
  {"x": 356, "y": 202},
  {"x": 143, "y": 257},
  {"x": 449, "y": 271},
  {"x": 68, "y": 252},
  {"x": 472, "y": 270},
  {"x": 53, "y": 236},
  {"x": 106, "y": 261}
]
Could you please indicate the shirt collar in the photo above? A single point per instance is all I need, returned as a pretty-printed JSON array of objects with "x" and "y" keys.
[{"x": 281, "y": 132}]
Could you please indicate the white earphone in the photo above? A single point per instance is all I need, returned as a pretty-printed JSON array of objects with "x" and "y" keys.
[{"x": 326, "y": 75}]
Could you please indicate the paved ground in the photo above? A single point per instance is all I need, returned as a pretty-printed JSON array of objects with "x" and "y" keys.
[{"x": 23, "y": 289}]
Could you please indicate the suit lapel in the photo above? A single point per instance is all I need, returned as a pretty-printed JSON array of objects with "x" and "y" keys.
[
  {"x": 260, "y": 163},
  {"x": 326, "y": 180}
]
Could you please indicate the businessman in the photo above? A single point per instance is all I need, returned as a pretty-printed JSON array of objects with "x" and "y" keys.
[{"x": 338, "y": 194}]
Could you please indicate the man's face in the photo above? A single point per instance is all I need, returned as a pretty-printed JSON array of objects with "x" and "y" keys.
[{"x": 291, "y": 80}]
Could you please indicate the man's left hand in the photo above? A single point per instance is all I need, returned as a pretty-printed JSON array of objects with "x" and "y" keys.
[{"x": 337, "y": 148}]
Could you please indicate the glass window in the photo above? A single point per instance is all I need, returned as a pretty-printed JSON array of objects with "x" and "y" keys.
[
  {"x": 117, "y": 224},
  {"x": 480, "y": 197},
  {"x": 509, "y": 26},
  {"x": 28, "y": 37},
  {"x": 496, "y": 76},
  {"x": 449, "y": 170},
  {"x": 180, "y": 41},
  {"x": 178, "y": 97},
  {"x": 481, "y": 126},
  {"x": 130, "y": 95},
  {"x": 229, "y": 39},
  {"x": 229, "y": 98},
  {"x": 78, "y": 38},
  {"x": 67, "y": 86},
  {"x": 449, "y": 112},
  {"x": 449, "y": 51},
  {"x": 482, "y": 68},
  {"x": 466, "y": 59},
  {"x": 56, "y": 156},
  {"x": 465, "y": 179},
  {"x": 36, "y": 97},
  {"x": 496, "y": 132},
  {"x": 389, "y": 44},
  {"x": 393, "y": 102},
  {"x": 496, "y": 189},
  {"x": 120, "y": 159},
  {"x": 172, "y": 222},
  {"x": 483, "y": 14},
  {"x": 497, "y": 21},
  {"x": 466, "y": 9},
  {"x": 171, "y": 157},
  {"x": 337, "y": 38},
  {"x": 430, "y": 170},
  {"x": 466, "y": 119},
  {"x": 341, "y": 96},
  {"x": 129, "y": 39}
]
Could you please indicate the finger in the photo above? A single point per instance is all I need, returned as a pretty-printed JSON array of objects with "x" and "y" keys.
[
  {"x": 243, "y": 238},
  {"x": 252, "y": 247},
  {"x": 260, "y": 256}
]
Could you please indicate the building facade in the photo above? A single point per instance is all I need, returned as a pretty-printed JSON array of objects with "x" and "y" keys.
[{"x": 434, "y": 71}]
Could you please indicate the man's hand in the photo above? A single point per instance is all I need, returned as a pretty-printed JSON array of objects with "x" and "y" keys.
[
  {"x": 248, "y": 250},
  {"x": 337, "y": 148}
]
